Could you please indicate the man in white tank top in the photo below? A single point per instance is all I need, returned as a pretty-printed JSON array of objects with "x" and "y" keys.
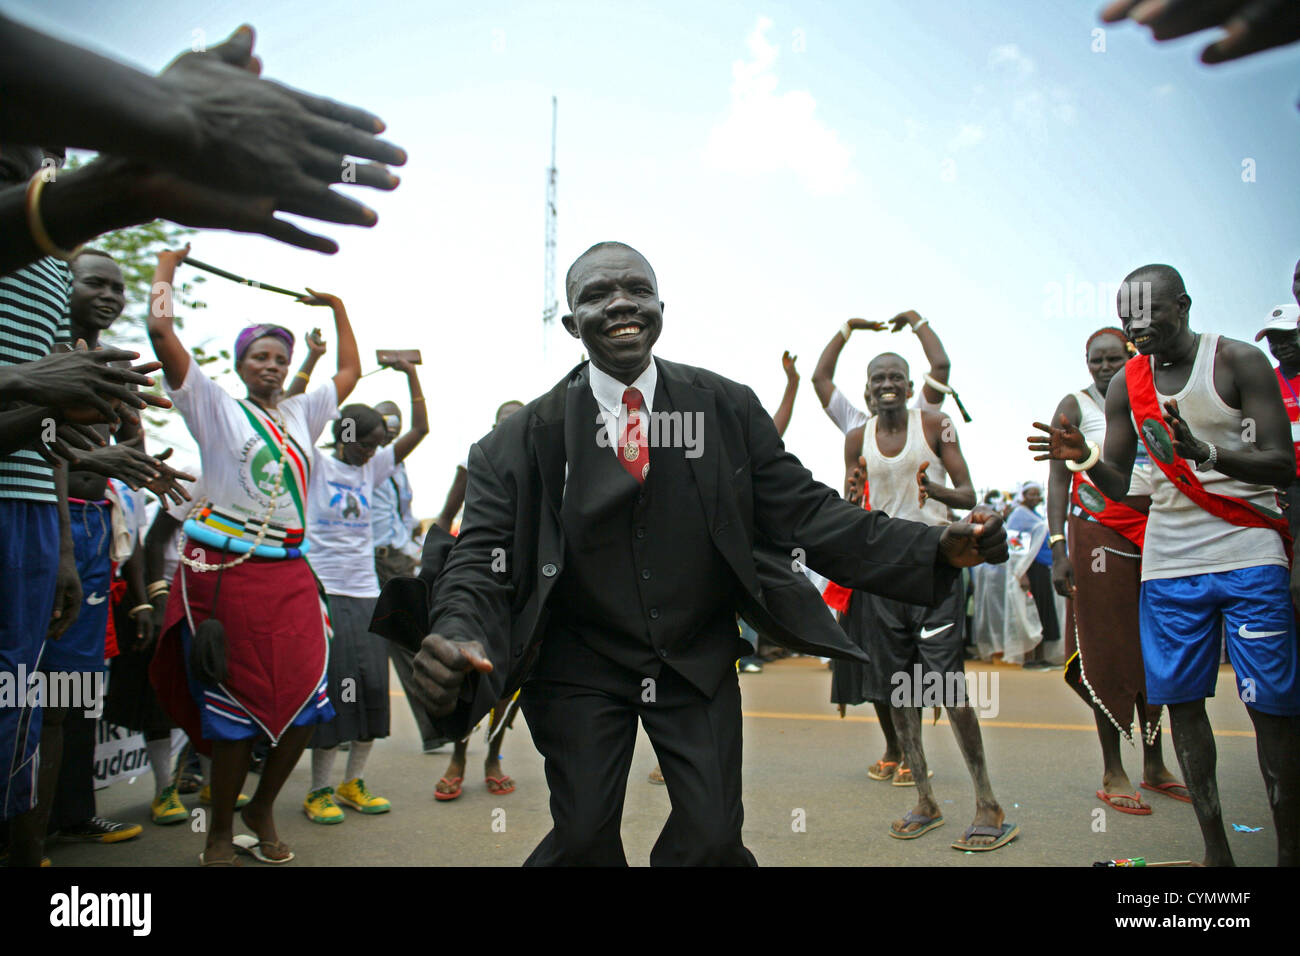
[
  {"x": 917, "y": 658},
  {"x": 1201, "y": 572}
]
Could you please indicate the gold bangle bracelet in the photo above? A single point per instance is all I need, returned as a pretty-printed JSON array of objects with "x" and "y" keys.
[
  {"x": 302, "y": 375},
  {"x": 417, "y": 399},
  {"x": 138, "y": 608},
  {"x": 36, "y": 226}
]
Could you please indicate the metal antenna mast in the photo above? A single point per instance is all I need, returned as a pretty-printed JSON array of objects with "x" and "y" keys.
[{"x": 550, "y": 304}]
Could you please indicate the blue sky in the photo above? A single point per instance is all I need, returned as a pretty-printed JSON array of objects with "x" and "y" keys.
[{"x": 783, "y": 167}]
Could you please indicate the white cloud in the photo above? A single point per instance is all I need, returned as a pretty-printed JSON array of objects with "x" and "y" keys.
[
  {"x": 766, "y": 131},
  {"x": 1009, "y": 57},
  {"x": 970, "y": 134}
]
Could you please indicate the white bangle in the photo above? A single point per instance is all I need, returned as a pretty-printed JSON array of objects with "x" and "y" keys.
[
  {"x": 1094, "y": 456},
  {"x": 845, "y": 331},
  {"x": 937, "y": 385},
  {"x": 916, "y": 328}
]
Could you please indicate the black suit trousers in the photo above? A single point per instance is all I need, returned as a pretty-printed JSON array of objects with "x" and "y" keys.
[{"x": 582, "y": 711}]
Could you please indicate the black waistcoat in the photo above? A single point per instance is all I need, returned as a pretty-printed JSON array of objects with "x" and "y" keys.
[{"x": 643, "y": 584}]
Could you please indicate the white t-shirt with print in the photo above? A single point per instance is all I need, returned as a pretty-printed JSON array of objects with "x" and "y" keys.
[
  {"x": 342, "y": 551},
  {"x": 238, "y": 468}
]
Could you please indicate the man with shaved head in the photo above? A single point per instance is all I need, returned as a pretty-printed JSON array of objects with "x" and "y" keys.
[
  {"x": 1216, "y": 557},
  {"x": 613, "y": 529}
]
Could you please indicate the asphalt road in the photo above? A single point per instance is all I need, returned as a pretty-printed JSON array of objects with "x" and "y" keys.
[{"x": 803, "y": 765}]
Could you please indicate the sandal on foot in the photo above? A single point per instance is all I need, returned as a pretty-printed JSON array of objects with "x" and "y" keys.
[
  {"x": 903, "y": 777},
  {"x": 926, "y": 825},
  {"x": 204, "y": 861},
  {"x": 500, "y": 785},
  {"x": 247, "y": 843},
  {"x": 1141, "y": 810},
  {"x": 454, "y": 782},
  {"x": 1004, "y": 833},
  {"x": 882, "y": 769},
  {"x": 1165, "y": 788}
]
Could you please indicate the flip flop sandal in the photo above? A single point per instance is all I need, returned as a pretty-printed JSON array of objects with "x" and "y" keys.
[
  {"x": 903, "y": 777},
  {"x": 927, "y": 824},
  {"x": 882, "y": 769},
  {"x": 500, "y": 785},
  {"x": 1005, "y": 834},
  {"x": 1164, "y": 788},
  {"x": 247, "y": 843},
  {"x": 203, "y": 861},
  {"x": 452, "y": 782},
  {"x": 1141, "y": 810}
]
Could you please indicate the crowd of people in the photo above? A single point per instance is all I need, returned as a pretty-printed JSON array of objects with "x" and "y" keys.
[{"x": 260, "y": 606}]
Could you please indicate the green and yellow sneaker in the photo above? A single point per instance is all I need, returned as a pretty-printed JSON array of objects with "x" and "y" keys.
[
  {"x": 355, "y": 795},
  {"x": 167, "y": 808},
  {"x": 321, "y": 808}
]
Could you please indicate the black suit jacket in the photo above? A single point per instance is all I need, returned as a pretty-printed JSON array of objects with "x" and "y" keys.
[{"x": 764, "y": 509}]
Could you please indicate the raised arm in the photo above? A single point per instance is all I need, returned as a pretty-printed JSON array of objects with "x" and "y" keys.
[
  {"x": 167, "y": 345},
  {"x": 935, "y": 354},
  {"x": 786, "y": 408},
  {"x": 1064, "y": 442},
  {"x": 315, "y": 349},
  {"x": 406, "y": 443},
  {"x": 824, "y": 373},
  {"x": 349, "y": 373}
]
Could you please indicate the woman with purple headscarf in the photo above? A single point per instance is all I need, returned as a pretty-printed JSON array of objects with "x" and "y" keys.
[{"x": 243, "y": 651}]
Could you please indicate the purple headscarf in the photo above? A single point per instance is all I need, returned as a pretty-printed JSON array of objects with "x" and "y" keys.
[{"x": 254, "y": 332}]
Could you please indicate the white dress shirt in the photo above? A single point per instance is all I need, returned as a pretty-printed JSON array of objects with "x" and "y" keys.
[{"x": 608, "y": 392}]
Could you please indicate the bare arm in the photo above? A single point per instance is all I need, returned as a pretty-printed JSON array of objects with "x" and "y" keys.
[
  {"x": 455, "y": 498},
  {"x": 419, "y": 414},
  {"x": 1270, "y": 458},
  {"x": 786, "y": 408},
  {"x": 825, "y": 370},
  {"x": 943, "y": 436},
  {"x": 1058, "y": 504},
  {"x": 167, "y": 345},
  {"x": 301, "y": 378},
  {"x": 853, "y": 463},
  {"x": 935, "y": 354},
  {"x": 1064, "y": 442}
]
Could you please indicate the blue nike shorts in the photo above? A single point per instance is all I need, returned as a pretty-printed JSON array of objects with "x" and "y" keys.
[{"x": 1182, "y": 618}]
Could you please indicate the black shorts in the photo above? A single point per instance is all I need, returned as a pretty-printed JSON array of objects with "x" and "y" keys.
[{"x": 916, "y": 651}]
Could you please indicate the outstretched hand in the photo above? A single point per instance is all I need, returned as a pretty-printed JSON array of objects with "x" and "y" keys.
[
  {"x": 440, "y": 669},
  {"x": 1062, "y": 442},
  {"x": 977, "y": 539},
  {"x": 318, "y": 298},
  {"x": 868, "y": 325},
  {"x": 922, "y": 484},
  {"x": 1249, "y": 25},
  {"x": 905, "y": 319},
  {"x": 857, "y": 479}
]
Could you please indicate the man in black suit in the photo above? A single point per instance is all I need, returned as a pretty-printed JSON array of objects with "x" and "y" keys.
[{"x": 612, "y": 531}]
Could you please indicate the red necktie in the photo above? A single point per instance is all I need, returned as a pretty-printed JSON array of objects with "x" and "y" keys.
[{"x": 633, "y": 452}]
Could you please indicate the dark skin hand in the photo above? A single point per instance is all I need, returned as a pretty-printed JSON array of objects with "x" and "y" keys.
[
  {"x": 1249, "y": 25},
  {"x": 81, "y": 377},
  {"x": 440, "y": 670},
  {"x": 977, "y": 539},
  {"x": 139, "y": 470}
]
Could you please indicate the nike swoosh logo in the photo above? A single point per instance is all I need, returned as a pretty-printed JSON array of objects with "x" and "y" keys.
[
  {"x": 937, "y": 630},
  {"x": 1242, "y": 632},
  {"x": 95, "y": 598}
]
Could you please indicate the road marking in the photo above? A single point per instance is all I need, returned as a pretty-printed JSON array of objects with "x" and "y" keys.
[{"x": 984, "y": 724}]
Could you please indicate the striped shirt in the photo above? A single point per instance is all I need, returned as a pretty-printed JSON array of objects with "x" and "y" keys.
[{"x": 33, "y": 317}]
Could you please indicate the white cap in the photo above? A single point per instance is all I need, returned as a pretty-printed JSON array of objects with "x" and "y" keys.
[{"x": 1285, "y": 318}]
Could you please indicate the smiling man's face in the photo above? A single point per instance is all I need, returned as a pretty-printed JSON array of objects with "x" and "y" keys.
[{"x": 616, "y": 310}]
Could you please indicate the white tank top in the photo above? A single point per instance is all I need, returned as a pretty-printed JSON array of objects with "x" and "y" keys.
[
  {"x": 1092, "y": 422},
  {"x": 1182, "y": 538},
  {"x": 893, "y": 488}
]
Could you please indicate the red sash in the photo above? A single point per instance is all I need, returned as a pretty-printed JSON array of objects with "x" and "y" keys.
[
  {"x": 835, "y": 595},
  {"x": 1115, "y": 515},
  {"x": 1148, "y": 415}
]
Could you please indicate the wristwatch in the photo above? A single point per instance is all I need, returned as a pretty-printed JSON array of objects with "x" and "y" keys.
[{"x": 1209, "y": 463}]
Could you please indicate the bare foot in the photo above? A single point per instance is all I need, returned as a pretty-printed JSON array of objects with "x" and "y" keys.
[{"x": 262, "y": 822}]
